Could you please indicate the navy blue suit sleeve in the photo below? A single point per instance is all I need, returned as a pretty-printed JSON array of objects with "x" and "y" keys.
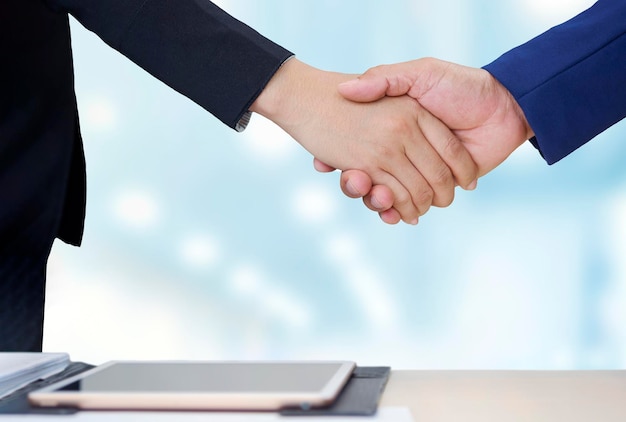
[
  {"x": 571, "y": 80},
  {"x": 191, "y": 45}
]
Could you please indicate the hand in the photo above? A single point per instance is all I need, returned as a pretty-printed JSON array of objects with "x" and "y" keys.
[
  {"x": 473, "y": 104},
  {"x": 382, "y": 138}
]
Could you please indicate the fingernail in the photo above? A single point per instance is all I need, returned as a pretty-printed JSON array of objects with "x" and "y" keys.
[
  {"x": 349, "y": 83},
  {"x": 414, "y": 222},
  {"x": 376, "y": 204},
  {"x": 352, "y": 190},
  {"x": 472, "y": 185}
]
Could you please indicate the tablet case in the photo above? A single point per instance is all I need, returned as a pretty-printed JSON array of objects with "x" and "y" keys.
[{"x": 359, "y": 397}]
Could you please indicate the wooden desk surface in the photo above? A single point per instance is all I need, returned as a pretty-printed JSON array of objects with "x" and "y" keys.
[{"x": 511, "y": 396}]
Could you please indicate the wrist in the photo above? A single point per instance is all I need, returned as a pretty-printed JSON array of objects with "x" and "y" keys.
[
  {"x": 512, "y": 107},
  {"x": 283, "y": 93},
  {"x": 517, "y": 109}
]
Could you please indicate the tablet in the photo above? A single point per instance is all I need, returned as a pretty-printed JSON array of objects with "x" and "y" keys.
[{"x": 200, "y": 385}]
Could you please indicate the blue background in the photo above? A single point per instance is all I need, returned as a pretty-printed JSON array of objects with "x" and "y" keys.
[{"x": 202, "y": 243}]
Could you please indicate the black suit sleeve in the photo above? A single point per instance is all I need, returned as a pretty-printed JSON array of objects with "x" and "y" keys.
[{"x": 191, "y": 45}]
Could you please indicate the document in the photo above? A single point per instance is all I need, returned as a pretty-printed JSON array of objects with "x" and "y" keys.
[
  {"x": 19, "y": 369},
  {"x": 384, "y": 414}
]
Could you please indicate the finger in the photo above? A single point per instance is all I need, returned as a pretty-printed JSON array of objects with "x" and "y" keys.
[
  {"x": 399, "y": 161},
  {"x": 404, "y": 201},
  {"x": 436, "y": 174},
  {"x": 390, "y": 216},
  {"x": 451, "y": 150},
  {"x": 380, "y": 198},
  {"x": 421, "y": 171},
  {"x": 355, "y": 183},
  {"x": 432, "y": 168},
  {"x": 322, "y": 167}
]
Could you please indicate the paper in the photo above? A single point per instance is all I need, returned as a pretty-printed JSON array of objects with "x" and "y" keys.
[
  {"x": 384, "y": 414},
  {"x": 20, "y": 369}
]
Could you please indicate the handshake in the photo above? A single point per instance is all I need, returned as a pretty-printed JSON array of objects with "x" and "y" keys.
[{"x": 404, "y": 135}]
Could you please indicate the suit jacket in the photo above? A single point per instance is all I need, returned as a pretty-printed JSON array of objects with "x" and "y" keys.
[
  {"x": 191, "y": 45},
  {"x": 570, "y": 81}
]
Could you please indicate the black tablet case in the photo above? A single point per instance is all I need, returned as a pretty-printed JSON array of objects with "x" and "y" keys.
[{"x": 359, "y": 397}]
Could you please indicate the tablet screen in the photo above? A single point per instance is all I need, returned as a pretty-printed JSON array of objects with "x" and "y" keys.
[{"x": 207, "y": 377}]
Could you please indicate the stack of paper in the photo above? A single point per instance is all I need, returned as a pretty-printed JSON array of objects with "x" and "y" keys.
[
  {"x": 384, "y": 414},
  {"x": 20, "y": 369}
]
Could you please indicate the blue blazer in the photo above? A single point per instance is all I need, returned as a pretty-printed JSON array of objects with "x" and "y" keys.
[
  {"x": 571, "y": 80},
  {"x": 193, "y": 46}
]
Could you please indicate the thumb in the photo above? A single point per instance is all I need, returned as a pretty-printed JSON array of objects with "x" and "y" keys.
[
  {"x": 364, "y": 89},
  {"x": 386, "y": 80}
]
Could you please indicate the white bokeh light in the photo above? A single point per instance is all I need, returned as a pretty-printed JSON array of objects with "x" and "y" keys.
[
  {"x": 555, "y": 11},
  {"x": 363, "y": 280},
  {"x": 98, "y": 113},
  {"x": 613, "y": 313},
  {"x": 524, "y": 156},
  {"x": 368, "y": 288},
  {"x": 99, "y": 316},
  {"x": 287, "y": 307},
  {"x": 137, "y": 209},
  {"x": 268, "y": 298},
  {"x": 224, "y": 4},
  {"x": 199, "y": 251},
  {"x": 343, "y": 248},
  {"x": 314, "y": 204},
  {"x": 246, "y": 279},
  {"x": 267, "y": 142}
]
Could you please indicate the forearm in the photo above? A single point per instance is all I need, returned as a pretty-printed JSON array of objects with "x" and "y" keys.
[
  {"x": 299, "y": 93},
  {"x": 570, "y": 81},
  {"x": 191, "y": 45}
]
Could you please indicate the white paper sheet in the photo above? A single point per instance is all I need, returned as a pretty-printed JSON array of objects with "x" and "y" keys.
[
  {"x": 384, "y": 414},
  {"x": 20, "y": 369}
]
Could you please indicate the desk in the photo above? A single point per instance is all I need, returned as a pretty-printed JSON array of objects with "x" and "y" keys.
[
  {"x": 458, "y": 396},
  {"x": 511, "y": 396}
]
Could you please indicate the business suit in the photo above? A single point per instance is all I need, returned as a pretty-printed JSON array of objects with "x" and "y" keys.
[
  {"x": 570, "y": 81},
  {"x": 191, "y": 45}
]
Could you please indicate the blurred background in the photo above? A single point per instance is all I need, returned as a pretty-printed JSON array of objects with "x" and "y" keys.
[{"x": 203, "y": 243}]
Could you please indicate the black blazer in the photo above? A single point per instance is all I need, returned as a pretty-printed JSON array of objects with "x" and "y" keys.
[{"x": 191, "y": 45}]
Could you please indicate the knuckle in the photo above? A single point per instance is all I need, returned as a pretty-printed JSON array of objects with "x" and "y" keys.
[
  {"x": 442, "y": 178},
  {"x": 403, "y": 200},
  {"x": 384, "y": 153},
  {"x": 424, "y": 199},
  {"x": 428, "y": 62},
  {"x": 377, "y": 70},
  {"x": 462, "y": 164},
  {"x": 445, "y": 200},
  {"x": 453, "y": 148},
  {"x": 399, "y": 127}
]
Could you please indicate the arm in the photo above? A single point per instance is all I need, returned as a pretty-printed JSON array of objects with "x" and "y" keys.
[
  {"x": 192, "y": 46},
  {"x": 570, "y": 81},
  {"x": 560, "y": 90},
  {"x": 224, "y": 66}
]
